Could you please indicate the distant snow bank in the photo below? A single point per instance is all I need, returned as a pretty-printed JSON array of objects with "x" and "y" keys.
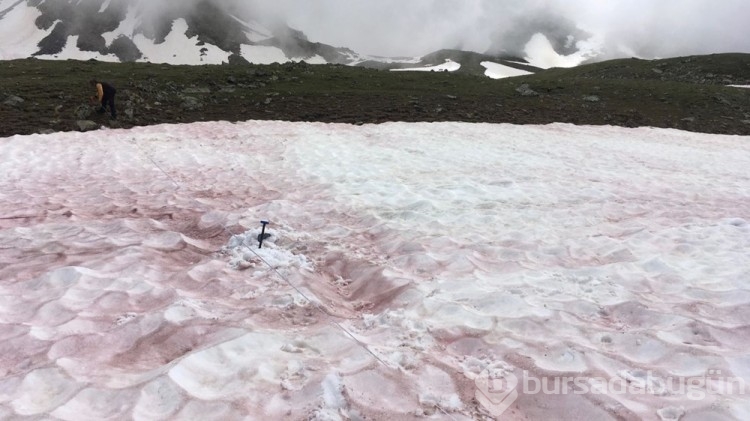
[{"x": 448, "y": 66}]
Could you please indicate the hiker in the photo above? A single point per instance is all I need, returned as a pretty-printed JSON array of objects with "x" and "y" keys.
[{"x": 105, "y": 94}]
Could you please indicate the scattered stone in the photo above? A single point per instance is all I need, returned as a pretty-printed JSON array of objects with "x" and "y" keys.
[
  {"x": 162, "y": 97},
  {"x": 191, "y": 103},
  {"x": 591, "y": 98},
  {"x": 232, "y": 80},
  {"x": 722, "y": 100},
  {"x": 451, "y": 97},
  {"x": 46, "y": 131},
  {"x": 13, "y": 101},
  {"x": 688, "y": 119},
  {"x": 196, "y": 90},
  {"x": 745, "y": 121},
  {"x": 657, "y": 71},
  {"x": 86, "y": 125},
  {"x": 525, "y": 90}
]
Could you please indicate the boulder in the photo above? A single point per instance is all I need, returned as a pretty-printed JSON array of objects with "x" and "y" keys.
[
  {"x": 86, "y": 125},
  {"x": 525, "y": 90},
  {"x": 13, "y": 101},
  {"x": 82, "y": 112}
]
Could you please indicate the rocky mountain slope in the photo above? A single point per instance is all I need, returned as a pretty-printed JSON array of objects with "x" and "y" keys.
[
  {"x": 208, "y": 32},
  {"x": 124, "y": 30}
]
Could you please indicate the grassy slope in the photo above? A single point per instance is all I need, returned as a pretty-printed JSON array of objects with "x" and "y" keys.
[{"x": 684, "y": 93}]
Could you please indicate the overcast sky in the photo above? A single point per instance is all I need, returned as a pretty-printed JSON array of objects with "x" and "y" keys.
[{"x": 415, "y": 27}]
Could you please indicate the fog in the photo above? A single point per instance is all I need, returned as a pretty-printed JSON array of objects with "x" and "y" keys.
[{"x": 645, "y": 28}]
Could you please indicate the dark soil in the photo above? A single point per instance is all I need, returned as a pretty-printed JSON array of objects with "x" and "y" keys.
[{"x": 683, "y": 93}]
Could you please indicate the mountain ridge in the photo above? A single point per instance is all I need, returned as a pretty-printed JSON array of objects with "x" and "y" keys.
[{"x": 124, "y": 31}]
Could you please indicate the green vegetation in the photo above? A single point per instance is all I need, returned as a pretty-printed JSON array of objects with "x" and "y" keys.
[{"x": 686, "y": 93}]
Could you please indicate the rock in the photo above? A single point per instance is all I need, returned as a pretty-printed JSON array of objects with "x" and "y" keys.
[
  {"x": 45, "y": 131},
  {"x": 82, "y": 112},
  {"x": 688, "y": 119},
  {"x": 745, "y": 121},
  {"x": 13, "y": 101},
  {"x": 86, "y": 125},
  {"x": 591, "y": 98},
  {"x": 232, "y": 80},
  {"x": 657, "y": 71},
  {"x": 525, "y": 90}
]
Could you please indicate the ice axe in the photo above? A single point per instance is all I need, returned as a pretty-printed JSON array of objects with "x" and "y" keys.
[{"x": 262, "y": 236}]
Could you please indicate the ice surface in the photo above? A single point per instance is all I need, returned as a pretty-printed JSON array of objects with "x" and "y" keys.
[{"x": 404, "y": 261}]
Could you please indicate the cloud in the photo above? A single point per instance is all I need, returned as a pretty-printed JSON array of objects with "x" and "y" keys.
[
  {"x": 648, "y": 28},
  {"x": 415, "y": 27}
]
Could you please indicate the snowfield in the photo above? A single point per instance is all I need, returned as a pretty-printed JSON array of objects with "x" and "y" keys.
[{"x": 409, "y": 267}]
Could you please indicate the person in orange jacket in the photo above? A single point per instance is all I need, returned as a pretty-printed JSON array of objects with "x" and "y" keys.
[{"x": 105, "y": 94}]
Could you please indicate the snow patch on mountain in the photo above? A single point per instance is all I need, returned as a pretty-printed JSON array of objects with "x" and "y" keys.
[
  {"x": 541, "y": 53},
  {"x": 127, "y": 27},
  {"x": 178, "y": 48},
  {"x": 255, "y": 31},
  {"x": 262, "y": 54},
  {"x": 18, "y": 33}
]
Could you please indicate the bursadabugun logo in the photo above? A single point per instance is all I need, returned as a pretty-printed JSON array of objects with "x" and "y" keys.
[{"x": 496, "y": 390}]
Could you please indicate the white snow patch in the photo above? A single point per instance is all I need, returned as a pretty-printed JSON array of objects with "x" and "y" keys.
[
  {"x": 261, "y": 54},
  {"x": 500, "y": 71}
]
